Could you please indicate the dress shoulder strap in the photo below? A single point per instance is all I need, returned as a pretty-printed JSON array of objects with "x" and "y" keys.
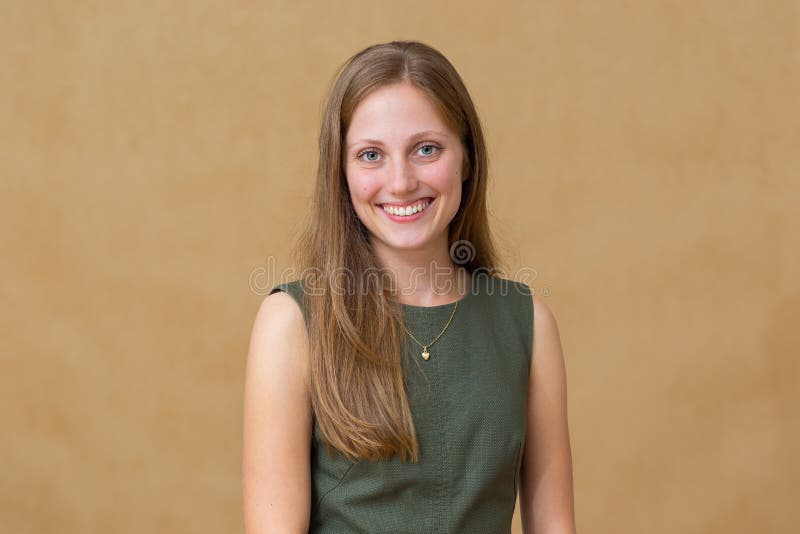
[{"x": 508, "y": 304}]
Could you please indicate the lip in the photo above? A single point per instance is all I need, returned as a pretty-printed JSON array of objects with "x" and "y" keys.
[{"x": 408, "y": 218}]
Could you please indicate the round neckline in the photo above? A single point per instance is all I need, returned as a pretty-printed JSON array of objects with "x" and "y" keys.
[{"x": 447, "y": 306}]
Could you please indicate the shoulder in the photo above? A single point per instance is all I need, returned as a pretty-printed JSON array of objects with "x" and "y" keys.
[
  {"x": 294, "y": 288},
  {"x": 544, "y": 320},
  {"x": 279, "y": 338},
  {"x": 281, "y": 308},
  {"x": 547, "y": 359},
  {"x": 538, "y": 318}
]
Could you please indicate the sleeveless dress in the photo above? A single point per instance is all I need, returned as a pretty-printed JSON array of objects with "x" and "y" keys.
[{"x": 469, "y": 405}]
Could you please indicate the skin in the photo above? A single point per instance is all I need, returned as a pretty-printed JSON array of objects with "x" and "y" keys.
[
  {"x": 398, "y": 149},
  {"x": 546, "y": 484},
  {"x": 277, "y": 408},
  {"x": 276, "y": 471}
]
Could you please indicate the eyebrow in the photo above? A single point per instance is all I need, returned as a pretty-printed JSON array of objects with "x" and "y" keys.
[{"x": 412, "y": 138}]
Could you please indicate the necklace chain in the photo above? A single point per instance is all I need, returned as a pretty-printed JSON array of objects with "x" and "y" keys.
[{"x": 425, "y": 353}]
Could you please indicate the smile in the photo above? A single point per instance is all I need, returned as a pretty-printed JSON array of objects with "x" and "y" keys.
[{"x": 408, "y": 209}]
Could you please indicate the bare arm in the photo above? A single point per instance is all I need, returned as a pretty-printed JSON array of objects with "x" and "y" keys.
[
  {"x": 546, "y": 489},
  {"x": 277, "y": 422}
]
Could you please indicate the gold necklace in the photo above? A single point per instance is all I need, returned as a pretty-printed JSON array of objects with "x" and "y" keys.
[{"x": 425, "y": 353}]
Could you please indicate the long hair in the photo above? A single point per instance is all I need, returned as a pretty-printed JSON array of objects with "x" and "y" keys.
[{"x": 354, "y": 320}]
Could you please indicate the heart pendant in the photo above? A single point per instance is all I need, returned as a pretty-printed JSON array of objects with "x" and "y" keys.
[{"x": 426, "y": 354}]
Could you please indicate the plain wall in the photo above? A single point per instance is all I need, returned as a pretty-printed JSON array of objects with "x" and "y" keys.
[{"x": 157, "y": 159}]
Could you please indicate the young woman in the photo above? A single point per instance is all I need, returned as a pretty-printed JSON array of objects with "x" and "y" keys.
[{"x": 397, "y": 384}]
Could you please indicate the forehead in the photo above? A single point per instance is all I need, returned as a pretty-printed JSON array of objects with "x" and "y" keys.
[{"x": 395, "y": 113}]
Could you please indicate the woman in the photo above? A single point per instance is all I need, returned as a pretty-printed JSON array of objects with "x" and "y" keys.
[{"x": 397, "y": 386}]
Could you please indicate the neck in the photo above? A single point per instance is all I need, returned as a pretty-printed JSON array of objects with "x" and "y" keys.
[{"x": 424, "y": 277}]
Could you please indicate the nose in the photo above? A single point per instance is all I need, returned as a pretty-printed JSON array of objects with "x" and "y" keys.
[{"x": 401, "y": 179}]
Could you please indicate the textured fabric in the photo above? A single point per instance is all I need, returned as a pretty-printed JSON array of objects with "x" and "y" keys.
[{"x": 469, "y": 404}]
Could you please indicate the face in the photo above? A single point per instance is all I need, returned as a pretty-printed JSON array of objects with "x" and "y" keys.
[{"x": 401, "y": 159}]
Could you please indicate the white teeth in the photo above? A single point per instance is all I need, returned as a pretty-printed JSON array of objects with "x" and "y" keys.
[{"x": 408, "y": 210}]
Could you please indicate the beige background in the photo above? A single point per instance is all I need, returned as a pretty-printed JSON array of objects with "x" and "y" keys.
[{"x": 156, "y": 160}]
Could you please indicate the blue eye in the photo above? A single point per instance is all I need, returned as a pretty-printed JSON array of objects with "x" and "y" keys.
[
  {"x": 428, "y": 146},
  {"x": 421, "y": 147},
  {"x": 362, "y": 154}
]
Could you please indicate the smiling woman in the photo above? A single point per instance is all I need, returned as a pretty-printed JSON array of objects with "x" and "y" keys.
[{"x": 397, "y": 385}]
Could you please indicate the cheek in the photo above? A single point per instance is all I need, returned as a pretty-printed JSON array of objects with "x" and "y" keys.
[
  {"x": 443, "y": 177},
  {"x": 362, "y": 186}
]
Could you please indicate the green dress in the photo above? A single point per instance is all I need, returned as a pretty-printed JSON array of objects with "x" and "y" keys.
[{"x": 469, "y": 404}]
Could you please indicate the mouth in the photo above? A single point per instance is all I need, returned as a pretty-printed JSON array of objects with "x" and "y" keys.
[{"x": 407, "y": 209}]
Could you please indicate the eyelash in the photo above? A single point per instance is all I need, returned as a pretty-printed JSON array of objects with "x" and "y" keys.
[{"x": 368, "y": 150}]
